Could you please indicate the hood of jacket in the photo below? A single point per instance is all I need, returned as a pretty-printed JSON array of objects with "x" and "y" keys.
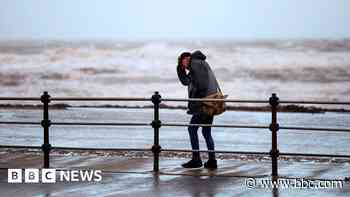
[{"x": 198, "y": 55}]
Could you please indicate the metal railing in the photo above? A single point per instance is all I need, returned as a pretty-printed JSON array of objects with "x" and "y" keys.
[{"x": 156, "y": 99}]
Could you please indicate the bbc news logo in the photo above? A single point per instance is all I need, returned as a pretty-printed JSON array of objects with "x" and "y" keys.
[{"x": 32, "y": 175}]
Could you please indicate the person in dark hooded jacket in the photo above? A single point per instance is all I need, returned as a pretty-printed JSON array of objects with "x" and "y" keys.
[{"x": 195, "y": 73}]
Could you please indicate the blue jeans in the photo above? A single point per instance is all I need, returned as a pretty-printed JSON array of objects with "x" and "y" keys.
[{"x": 206, "y": 131}]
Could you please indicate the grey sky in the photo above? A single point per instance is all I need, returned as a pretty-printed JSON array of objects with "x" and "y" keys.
[{"x": 154, "y": 19}]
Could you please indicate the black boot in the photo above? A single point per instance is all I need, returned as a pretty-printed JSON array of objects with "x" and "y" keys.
[
  {"x": 193, "y": 163},
  {"x": 211, "y": 164}
]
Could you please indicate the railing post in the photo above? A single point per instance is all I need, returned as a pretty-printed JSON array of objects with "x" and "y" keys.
[
  {"x": 274, "y": 127},
  {"x": 45, "y": 123},
  {"x": 156, "y": 123}
]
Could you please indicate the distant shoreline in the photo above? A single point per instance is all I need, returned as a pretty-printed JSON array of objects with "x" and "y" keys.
[{"x": 281, "y": 108}]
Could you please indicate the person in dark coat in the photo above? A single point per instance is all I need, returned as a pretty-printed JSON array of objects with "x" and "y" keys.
[{"x": 195, "y": 73}]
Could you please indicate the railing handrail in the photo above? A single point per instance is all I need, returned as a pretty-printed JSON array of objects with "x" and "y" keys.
[
  {"x": 156, "y": 124},
  {"x": 11, "y": 98},
  {"x": 172, "y": 124},
  {"x": 172, "y": 99}
]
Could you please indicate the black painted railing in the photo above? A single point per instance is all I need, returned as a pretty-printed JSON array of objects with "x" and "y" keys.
[{"x": 156, "y": 124}]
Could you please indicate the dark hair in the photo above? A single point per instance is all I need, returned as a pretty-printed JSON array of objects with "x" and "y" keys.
[
  {"x": 182, "y": 56},
  {"x": 185, "y": 54}
]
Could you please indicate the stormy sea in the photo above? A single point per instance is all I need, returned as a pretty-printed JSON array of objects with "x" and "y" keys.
[{"x": 294, "y": 69}]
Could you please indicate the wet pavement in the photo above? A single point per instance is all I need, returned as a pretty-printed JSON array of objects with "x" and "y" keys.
[{"x": 123, "y": 176}]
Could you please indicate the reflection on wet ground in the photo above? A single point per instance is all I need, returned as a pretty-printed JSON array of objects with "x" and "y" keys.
[{"x": 123, "y": 176}]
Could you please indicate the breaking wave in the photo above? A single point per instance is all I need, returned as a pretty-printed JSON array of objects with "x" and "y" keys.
[{"x": 113, "y": 68}]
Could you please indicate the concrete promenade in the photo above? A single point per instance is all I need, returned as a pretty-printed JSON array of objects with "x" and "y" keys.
[{"x": 125, "y": 176}]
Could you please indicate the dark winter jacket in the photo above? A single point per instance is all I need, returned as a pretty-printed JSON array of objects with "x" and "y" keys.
[{"x": 200, "y": 80}]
